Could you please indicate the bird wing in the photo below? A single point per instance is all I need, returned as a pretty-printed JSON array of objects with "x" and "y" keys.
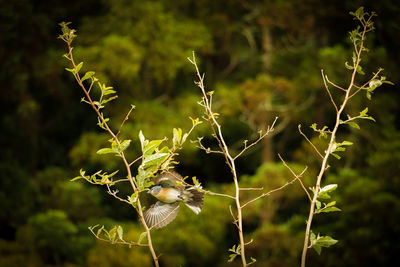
[
  {"x": 160, "y": 214},
  {"x": 168, "y": 179}
]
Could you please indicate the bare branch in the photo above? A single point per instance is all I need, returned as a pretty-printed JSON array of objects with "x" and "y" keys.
[
  {"x": 114, "y": 194},
  {"x": 262, "y": 136},
  {"x": 297, "y": 176},
  {"x": 335, "y": 85},
  {"x": 268, "y": 193},
  {"x": 206, "y": 149},
  {"x": 136, "y": 160},
  {"x": 309, "y": 141},
  {"x": 217, "y": 194},
  {"x": 251, "y": 189},
  {"x": 327, "y": 89},
  {"x": 217, "y": 132},
  {"x": 126, "y": 118}
]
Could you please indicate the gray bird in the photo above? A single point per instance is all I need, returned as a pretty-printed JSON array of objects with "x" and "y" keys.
[{"x": 170, "y": 192}]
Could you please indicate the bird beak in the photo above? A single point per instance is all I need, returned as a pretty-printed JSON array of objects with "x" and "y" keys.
[{"x": 149, "y": 191}]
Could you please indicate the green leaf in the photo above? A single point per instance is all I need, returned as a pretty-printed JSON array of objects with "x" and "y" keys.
[
  {"x": 142, "y": 139},
  {"x": 387, "y": 82},
  {"x": 177, "y": 136},
  {"x": 373, "y": 84},
  {"x": 112, "y": 234},
  {"x": 87, "y": 75},
  {"x": 232, "y": 257},
  {"x": 336, "y": 155},
  {"x": 106, "y": 151},
  {"x": 328, "y": 188},
  {"x": 354, "y": 125},
  {"x": 133, "y": 198},
  {"x": 317, "y": 242},
  {"x": 346, "y": 143},
  {"x": 120, "y": 232},
  {"x": 318, "y": 204},
  {"x": 364, "y": 112},
  {"x": 330, "y": 204},
  {"x": 70, "y": 70},
  {"x": 124, "y": 145},
  {"x": 78, "y": 67},
  {"x": 184, "y": 138},
  {"x": 76, "y": 178},
  {"x": 346, "y": 64},
  {"x": 359, "y": 70},
  {"x": 317, "y": 248},
  {"x": 151, "y": 146},
  {"x": 326, "y": 241},
  {"x": 330, "y": 209},
  {"x": 109, "y": 99},
  {"x": 100, "y": 229},
  {"x": 109, "y": 92},
  {"x": 142, "y": 236},
  {"x": 155, "y": 159}
]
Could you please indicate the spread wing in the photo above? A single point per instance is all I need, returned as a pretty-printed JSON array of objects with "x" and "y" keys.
[
  {"x": 160, "y": 214},
  {"x": 168, "y": 179}
]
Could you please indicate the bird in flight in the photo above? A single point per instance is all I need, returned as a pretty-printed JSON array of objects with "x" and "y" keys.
[{"x": 170, "y": 191}]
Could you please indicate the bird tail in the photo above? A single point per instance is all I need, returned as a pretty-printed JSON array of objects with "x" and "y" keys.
[{"x": 196, "y": 200}]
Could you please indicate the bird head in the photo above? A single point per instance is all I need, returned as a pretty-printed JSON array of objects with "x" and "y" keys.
[{"x": 155, "y": 190}]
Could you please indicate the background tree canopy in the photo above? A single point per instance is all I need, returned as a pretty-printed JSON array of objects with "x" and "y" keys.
[{"x": 262, "y": 58}]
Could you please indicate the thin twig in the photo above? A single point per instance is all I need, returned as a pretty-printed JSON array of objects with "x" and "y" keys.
[
  {"x": 136, "y": 160},
  {"x": 126, "y": 118},
  {"x": 297, "y": 176},
  {"x": 250, "y": 189},
  {"x": 327, "y": 89},
  {"x": 269, "y": 130},
  {"x": 309, "y": 141},
  {"x": 365, "y": 84},
  {"x": 114, "y": 194},
  {"x": 217, "y": 194},
  {"x": 335, "y": 85}
]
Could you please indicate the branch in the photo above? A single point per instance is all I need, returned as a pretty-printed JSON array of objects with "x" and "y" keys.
[
  {"x": 114, "y": 194},
  {"x": 297, "y": 176},
  {"x": 335, "y": 85},
  {"x": 327, "y": 89},
  {"x": 309, "y": 141},
  {"x": 363, "y": 87},
  {"x": 276, "y": 189},
  {"x": 206, "y": 149},
  {"x": 216, "y": 194},
  {"x": 122, "y": 242},
  {"x": 358, "y": 51},
  {"x": 262, "y": 136},
  {"x": 126, "y": 118},
  {"x": 68, "y": 37},
  {"x": 230, "y": 161}
]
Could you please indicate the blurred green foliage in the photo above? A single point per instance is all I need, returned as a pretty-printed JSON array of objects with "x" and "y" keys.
[{"x": 263, "y": 59}]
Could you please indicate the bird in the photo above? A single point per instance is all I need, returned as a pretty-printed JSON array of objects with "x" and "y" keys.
[{"x": 170, "y": 191}]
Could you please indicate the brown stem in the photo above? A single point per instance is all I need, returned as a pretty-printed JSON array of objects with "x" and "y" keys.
[
  {"x": 99, "y": 115},
  {"x": 328, "y": 151}
]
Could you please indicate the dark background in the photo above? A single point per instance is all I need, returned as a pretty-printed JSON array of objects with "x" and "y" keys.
[{"x": 263, "y": 59}]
